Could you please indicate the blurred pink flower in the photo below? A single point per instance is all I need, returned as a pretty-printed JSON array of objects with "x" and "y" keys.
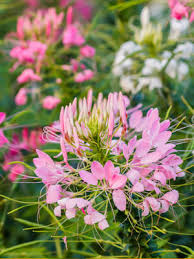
[
  {"x": 3, "y": 139},
  {"x": 21, "y": 97},
  {"x": 179, "y": 11},
  {"x": 16, "y": 170},
  {"x": 72, "y": 36},
  {"x": 84, "y": 76},
  {"x": 80, "y": 6},
  {"x": 50, "y": 102},
  {"x": 28, "y": 75},
  {"x": 87, "y": 51}
]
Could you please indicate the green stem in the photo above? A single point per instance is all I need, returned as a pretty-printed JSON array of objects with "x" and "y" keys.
[{"x": 58, "y": 248}]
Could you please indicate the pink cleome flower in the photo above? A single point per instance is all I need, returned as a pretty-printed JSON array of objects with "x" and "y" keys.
[
  {"x": 124, "y": 157},
  {"x": 179, "y": 9}
]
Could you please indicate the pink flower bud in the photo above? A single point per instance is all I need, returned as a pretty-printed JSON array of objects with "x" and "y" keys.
[
  {"x": 50, "y": 102},
  {"x": 89, "y": 100},
  {"x": 63, "y": 149},
  {"x": 111, "y": 124},
  {"x": 21, "y": 97},
  {"x": 87, "y": 51}
]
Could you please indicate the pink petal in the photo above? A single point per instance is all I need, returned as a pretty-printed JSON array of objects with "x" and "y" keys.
[
  {"x": 165, "y": 206},
  {"x": 126, "y": 152},
  {"x": 81, "y": 203},
  {"x": 135, "y": 119},
  {"x": 97, "y": 217},
  {"x": 53, "y": 193},
  {"x": 98, "y": 170},
  {"x": 70, "y": 213},
  {"x": 118, "y": 181},
  {"x": 64, "y": 152},
  {"x": 145, "y": 208},
  {"x": 44, "y": 157},
  {"x": 71, "y": 203},
  {"x": 62, "y": 202},
  {"x": 90, "y": 210},
  {"x": 164, "y": 125},
  {"x": 172, "y": 160},
  {"x": 171, "y": 196},
  {"x": 160, "y": 177},
  {"x": 142, "y": 148},
  {"x": 151, "y": 157},
  {"x": 162, "y": 138},
  {"x": 138, "y": 187},
  {"x": 154, "y": 204},
  {"x": 108, "y": 170},
  {"x": 88, "y": 219},
  {"x": 88, "y": 177},
  {"x": 119, "y": 199},
  {"x": 133, "y": 176},
  {"x": 103, "y": 224},
  {"x": 57, "y": 211}
]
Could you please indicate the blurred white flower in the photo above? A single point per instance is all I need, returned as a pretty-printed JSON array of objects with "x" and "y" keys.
[
  {"x": 122, "y": 62},
  {"x": 182, "y": 70},
  {"x": 128, "y": 84},
  {"x": 178, "y": 27},
  {"x": 145, "y": 17},
  {"x": 184, "y": 50},
  {"x": 151, "y": 82},
  {"x": 151, "y": 66},
  {"x": 157, "y": 9}
]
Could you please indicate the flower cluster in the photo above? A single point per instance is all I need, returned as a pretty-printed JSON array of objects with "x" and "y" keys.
[
  {"x": 30, "y": 141},
  {"x": 114, "y": 158},
  {"x": 82, "y": 7},
  {"x": 180, "y": 9},
  {"x": 37, "y": 35},
  {"x": 132, "y": 57}
]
